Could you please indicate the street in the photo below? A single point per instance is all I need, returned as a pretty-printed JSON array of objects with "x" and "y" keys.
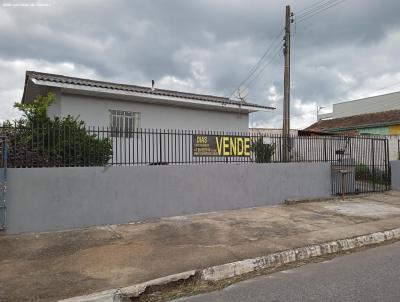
[{"x": 371, "y": 275}]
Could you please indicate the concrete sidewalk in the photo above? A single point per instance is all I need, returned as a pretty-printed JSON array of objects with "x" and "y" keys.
[{"x": 51, "y": 266}]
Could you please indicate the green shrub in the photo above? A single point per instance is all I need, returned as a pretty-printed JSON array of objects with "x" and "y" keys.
[
  {"x": 263, "y": 152},
  {"x": 363, "y": 172},
  {"x": 37, "y": 140}
]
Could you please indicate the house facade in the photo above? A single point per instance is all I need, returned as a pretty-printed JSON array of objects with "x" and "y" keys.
[
  {"x": 106, "y": 104},
  {"x": 384, "y": 124},
  {"x": 378, "y": 103},
  {"x": 378, "y": 123}
]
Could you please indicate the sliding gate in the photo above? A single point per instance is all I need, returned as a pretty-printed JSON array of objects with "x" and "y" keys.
[
  {"x": 360, "y": 165},
  {"x": 3, "y": 181}
]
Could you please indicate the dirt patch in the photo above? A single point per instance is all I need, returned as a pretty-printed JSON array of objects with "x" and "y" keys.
[
  {"x": 50, "y": 287},
  {"x": 45, "y": 247}
]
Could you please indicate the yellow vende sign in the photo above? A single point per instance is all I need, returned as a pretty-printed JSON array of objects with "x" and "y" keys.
[{"x": 220, "y": 145}]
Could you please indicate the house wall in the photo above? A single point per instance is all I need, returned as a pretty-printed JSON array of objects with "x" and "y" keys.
[
  {"x": 374, "y": 130},
  {"x": 395, "y": 173},
  {"x": 383, "y": 130},
  {"x": 95, "y": 112},
  {"x": 55, "y": 108},
  {"x": 374, "y": 104},
  {"x": 394, "y": 130},
  {"x": 393, "y": 147},
  {"x": 44, "y": 199}
]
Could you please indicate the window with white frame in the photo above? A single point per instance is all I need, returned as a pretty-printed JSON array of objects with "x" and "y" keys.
[{"x": 123, "y": 123}]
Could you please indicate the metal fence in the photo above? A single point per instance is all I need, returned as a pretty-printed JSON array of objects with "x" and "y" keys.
[
  {"x": 97, "y": 146},
  {"x": 398, "y": 149},
  {"x": 363, "y": 167},
  {"x": 3, "y": 181},
  {"x": 362, "y": 163}
]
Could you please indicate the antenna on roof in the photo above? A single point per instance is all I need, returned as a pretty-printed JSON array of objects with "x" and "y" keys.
[
  {"x": 241, "y": 94},
  {"x": 152, "y": 85}
]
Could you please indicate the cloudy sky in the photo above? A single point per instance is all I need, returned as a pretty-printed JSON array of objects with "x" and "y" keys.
[{"x": 207, "y": 46}]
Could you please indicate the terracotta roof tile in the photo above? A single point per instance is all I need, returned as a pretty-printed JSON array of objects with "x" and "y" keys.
[{"x": 357, "y": 121}]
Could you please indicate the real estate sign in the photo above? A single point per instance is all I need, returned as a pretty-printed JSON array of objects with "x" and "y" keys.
[{"x": 220, "y": 145}]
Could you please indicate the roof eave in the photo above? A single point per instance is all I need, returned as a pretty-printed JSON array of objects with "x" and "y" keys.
[
  {"x": 175, "y": 100},
  {"x": 25, "y": 87}
]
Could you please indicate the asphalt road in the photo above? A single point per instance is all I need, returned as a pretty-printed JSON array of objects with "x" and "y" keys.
[{"x": 370, "y": 275}]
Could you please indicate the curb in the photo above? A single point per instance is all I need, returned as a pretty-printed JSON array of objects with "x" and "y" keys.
[{"x": 233, "y": 269}]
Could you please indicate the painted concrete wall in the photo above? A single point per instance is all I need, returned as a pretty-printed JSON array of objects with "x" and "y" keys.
[
  {"x": 95, "y": 112},
  {"x": 42, "y": 199},
  {"x": 393, "y": 145},
  {"x": 384, "y": 130},
  {"x": 394, "y": 130},
  {"x": 395, "y": 171}
]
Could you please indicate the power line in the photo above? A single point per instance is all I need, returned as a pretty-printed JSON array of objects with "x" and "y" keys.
[
  {"x": 280, "y": 56},
  {"x": 383, "y": 88},
  {"x": 272, "y": 59},
  {"x": 317, "y": 7},
  {"x": 260, "y": 62},
  {"x": 315, "y": 12},
  {"x": 312, "y": 7}
]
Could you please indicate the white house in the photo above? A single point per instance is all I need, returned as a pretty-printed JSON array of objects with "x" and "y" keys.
[{"x": 107, "y": 104}]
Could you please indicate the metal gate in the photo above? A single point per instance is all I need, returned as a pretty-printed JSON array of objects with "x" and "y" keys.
[
  {"x": 3, "y": 181},
  {"x": 361, "y": 165}
]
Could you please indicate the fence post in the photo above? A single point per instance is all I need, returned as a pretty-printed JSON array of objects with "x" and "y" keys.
[
  {"x": 388, "y": 173},
  {"x": 160, "y": 146},
  {"x": 373, "y": 164},
  {"x": 3, "y": 182},
  {"x": 398, "y": 149}
]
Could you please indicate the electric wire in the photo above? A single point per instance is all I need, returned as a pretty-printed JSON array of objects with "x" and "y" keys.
[
  {"x": 272, "y": 50},
  {"x": 391, "y": 85},
  {"x": 321, "y": 6},
  {"x": 260, "y": 62},
  {"x": 272, "y": 59},
  {"x": 305, "y": 17},
  {"x": 312, "y": 6}
]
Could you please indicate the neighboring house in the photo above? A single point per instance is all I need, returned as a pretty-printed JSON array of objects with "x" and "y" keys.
[
  {"x": 271, "y": 131},
  {"x": 379, "y": 103},
  {"x": 129, "y": 106},
  {"x": 383, "y": 124},
  {"x": 379, "y": 123}
]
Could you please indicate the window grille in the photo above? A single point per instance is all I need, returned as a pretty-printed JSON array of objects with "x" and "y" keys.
[{"x": 123, "y": 123}]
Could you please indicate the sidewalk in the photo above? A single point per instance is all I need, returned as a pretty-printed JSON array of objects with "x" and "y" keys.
[{"x": 51, "y": 266}]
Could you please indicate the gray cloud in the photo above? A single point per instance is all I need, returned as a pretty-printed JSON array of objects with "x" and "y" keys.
[{"x": 205, "y": 46}]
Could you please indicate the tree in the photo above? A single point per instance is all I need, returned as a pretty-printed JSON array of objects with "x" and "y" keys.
[{"x": 38, "y": 140}]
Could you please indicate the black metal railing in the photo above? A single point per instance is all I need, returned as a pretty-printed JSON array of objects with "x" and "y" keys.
[
  {"x": 98, "y": 146},
  {"x": 364, "y": 159},
  {"x": 3, "y": 181},
  {"x": 398, "y": 149}
]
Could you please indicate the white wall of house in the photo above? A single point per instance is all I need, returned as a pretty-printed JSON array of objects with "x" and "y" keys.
[
  {"x": 393, "y": 141},
  {"x": 95, "y": 112},
  {"x": 379, "y": 103}
]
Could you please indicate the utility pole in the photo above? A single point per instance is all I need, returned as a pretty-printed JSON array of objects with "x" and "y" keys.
[{"x": 286, "y": 87}]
